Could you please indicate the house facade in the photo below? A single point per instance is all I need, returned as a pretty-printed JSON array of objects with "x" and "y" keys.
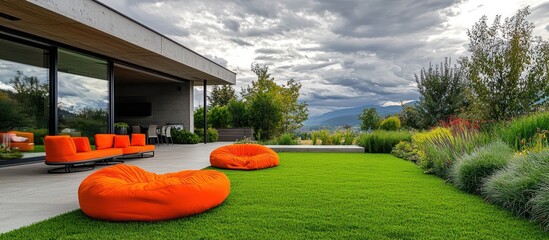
[{"x": 78, "y": 66}]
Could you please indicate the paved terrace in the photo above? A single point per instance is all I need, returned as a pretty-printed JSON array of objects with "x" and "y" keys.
[{"x": 29, "y": 194}]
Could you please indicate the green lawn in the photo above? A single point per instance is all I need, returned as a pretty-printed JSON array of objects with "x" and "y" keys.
[
  {"x": 39, "y": 148},
  {"x": 319, "y": 195}
]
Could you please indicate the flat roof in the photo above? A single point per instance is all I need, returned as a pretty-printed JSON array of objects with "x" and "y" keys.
[{"x": 94, "y": 27}]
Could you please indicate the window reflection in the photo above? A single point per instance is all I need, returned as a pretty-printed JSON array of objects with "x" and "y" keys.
[
  {"x": 83, "y": 90},
  {"x": 24, "y": 90}
]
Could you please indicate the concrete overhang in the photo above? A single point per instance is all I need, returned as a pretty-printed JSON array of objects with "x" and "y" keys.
[{"x": 94, "y": 27}]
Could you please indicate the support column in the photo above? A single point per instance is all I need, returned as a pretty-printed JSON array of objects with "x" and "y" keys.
[
  {"x": 205, "y": 112},
  {"x": 53, "y": 111},
  {"x": 110, "y": 70}
]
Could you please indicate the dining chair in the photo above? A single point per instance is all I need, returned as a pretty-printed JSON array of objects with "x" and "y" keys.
[
  {"x": 151, "y": 133},
  {"x": 163, "y": 134},
  {"x": 168, "y": 135},
  {"x": 136, "y": 129}
]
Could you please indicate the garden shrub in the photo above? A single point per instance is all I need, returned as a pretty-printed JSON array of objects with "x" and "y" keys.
[
  {"x": 212, "y": 133},
  {"x": 515, "y": 185},
  {"x": 469, "y": 171},
  {"x": 420, "y": 138},
  {"x": 381, "y": 141},
  {"x": 390, "y": 124},
  {"x": 348, "y": 137},
  {"x": 540, "y": 205},
  {"x": 325, "y": 137},
  {"x": 335, "y": 138},
  {"x": 39, "y": 135},
  {"x": 522, "y": 132},
  {"x": 287, "y": 139},
  {"x": 321, "y": 135},
  {"x": 407, "y": 151},
  {"x": 184, "y": 137},
  {"x": 220, "y": 117},
  {"x": 439, "y": 152},
  {"x": 7, "y": 153}
]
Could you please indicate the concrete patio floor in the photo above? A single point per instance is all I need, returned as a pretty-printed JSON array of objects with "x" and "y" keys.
[{"x": 30, "y": 194}]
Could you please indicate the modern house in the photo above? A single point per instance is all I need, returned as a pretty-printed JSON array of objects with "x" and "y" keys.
[{"x": 78, "y": 66}]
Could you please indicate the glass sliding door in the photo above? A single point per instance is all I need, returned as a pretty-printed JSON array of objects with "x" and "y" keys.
[
  {"x": 24, "y": 92},
  {"x": 83, "y": 94}
]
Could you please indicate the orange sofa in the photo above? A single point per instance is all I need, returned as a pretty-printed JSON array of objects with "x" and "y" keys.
[
  {"x": 129, "y": 193},
  {"x": 74, "y": 153},
  {"x": 26, "y": 146},
  {"x": 244, "y": 157},
  {"x": 136, "y": 146}
]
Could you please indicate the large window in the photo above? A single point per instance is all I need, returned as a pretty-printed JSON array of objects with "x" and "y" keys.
[
  {"x": 24, "y": 89},
  {"x": 83, "y": 90}
]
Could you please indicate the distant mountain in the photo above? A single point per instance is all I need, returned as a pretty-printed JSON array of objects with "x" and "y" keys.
[{"x": 348, "y": 116}]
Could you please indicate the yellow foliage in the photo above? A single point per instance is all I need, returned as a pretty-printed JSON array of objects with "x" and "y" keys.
[{"x": 420, "y": 138}]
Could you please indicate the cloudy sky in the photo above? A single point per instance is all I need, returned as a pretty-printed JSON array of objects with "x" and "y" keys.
[{"x": 345, "y": 53}]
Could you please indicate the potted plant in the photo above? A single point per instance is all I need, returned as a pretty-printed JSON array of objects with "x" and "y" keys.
[{"x": 121, "y": 128}]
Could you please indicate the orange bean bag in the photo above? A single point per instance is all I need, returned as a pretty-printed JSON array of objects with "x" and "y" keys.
[
  {"x": 129, "y": 193},
  {"x": 244, "y": 157}
]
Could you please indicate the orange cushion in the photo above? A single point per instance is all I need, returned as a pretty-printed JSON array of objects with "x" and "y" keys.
[
  {"x": 129, "y": 193},
  {"x": 59, "y": 147},
  {"x": 82, "y": 144},
  {"x": 121, "y": 141},
  {"x": 244, "y": 157},
  {"x": 103, "y": 141},
  {"x": 138, "y": 139}
]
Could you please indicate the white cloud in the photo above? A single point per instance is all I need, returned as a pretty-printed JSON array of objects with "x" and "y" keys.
[{"x": 391, "y": 103}]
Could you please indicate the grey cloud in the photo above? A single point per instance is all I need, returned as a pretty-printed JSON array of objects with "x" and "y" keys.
[
  {"x": 309, "y": 67},
  {"x": 241, "y": 42},
  {"x": 540, "y": 10},
  {"x": 378, "y": 18},
  {"x": 266, "y": 58},
  {"x": 547, "y": 28},
  {"x": 269, "y": 51},
  {"x": 264, "y": 8},
  {"x": 219, "y": 60},
  {"x": 232, "y": 25},
  {"x": 392, "y": 45}
]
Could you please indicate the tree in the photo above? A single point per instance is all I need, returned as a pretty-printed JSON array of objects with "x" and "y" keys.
[
  {"x": 391, "y": 123},
  {"x": 239, "y": 113},
  {"x": 221, "y": 96},
  {"x": 199, "y": 118},
  {"x": 33, "y": 98},
  {"x": 219, "y": 117},
  {"x": 267, "y": 115},
  {"x": 508, "y": 67},
  {"x": 12, "y": 114},
  {"x": 440, "y": 88},
  {"x": 369, "y": 119},
  {"x": 410, "y": 118},
  {"x": 294, "y": 113}
]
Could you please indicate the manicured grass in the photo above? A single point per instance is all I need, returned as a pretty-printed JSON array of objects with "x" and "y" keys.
[
  {"x": 39, "y": 148},
  {"x": 319, "y": 195}
]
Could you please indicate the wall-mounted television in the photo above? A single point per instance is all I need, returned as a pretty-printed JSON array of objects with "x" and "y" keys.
[{"x": 133, "y": 109}]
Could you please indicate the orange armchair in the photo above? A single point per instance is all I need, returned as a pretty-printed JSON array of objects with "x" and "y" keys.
[{"x": 25, "y": 146}]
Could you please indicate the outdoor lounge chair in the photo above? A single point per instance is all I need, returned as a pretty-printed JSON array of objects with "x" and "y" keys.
[
  {"x": 136, "y": 147},
  {"x": 74, "y": 153},
  {"x": 24, "y": 141},
  {"x": 129, "y": 193},
  {"x": 244, "y": 157}
]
